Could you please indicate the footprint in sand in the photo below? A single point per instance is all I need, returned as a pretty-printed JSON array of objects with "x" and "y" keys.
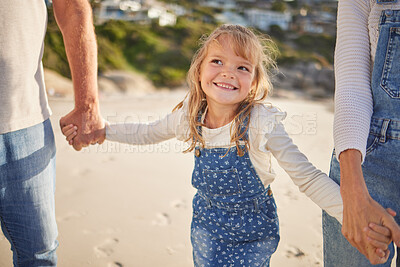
[
  {"x": 105, "y": 249},
  {"x": 81, "y": 172},
  {"x": 71, "y": 215},
  {"x": 162, "y": 219},
  {"x": 84, "y": 172},
  {"x": 170, "y": 250},
  {"x": 294, "y": 252},
  {"x": 178, "y": 204},
  {"x": 291, "y": 195},
  {"x": 106, "y": 231},
  {"x": 175, "y": 249},
  {"x": 115, "y": 264},
  {"x": 109, "y": 159}
]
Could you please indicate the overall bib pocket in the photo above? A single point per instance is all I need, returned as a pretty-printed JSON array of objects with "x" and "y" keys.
[
  {"x": 390, "y": 81},
  {"x": 222, "y": 182}
]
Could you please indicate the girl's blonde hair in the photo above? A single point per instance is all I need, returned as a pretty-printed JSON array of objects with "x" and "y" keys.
[{"x": 254, "y": 48}]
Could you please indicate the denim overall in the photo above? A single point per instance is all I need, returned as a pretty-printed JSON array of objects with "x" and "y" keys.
[
  {"x": 234, "y": 216},
  {"x": 381, "y": 167}
]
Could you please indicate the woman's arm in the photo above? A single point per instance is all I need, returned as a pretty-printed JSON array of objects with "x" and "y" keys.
[
  {"x": 314, "y": 183},
  {"x": 353, "y": 98}
]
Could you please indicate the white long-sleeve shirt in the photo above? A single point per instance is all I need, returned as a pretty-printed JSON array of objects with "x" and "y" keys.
[
  {"x": 357, "y": 37},
  {"x": 267, "y": 137}
]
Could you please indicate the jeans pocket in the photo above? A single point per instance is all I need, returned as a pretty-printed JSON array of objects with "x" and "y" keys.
[
  {"x": 222, "y": 182},
  {"x": 390, "y": 81},
  {"x": 267, "y": 210},
  {"x": 199, "y": 207},
  {"x": 372, "y": 143},
  {"x": 235, "y": 220}
]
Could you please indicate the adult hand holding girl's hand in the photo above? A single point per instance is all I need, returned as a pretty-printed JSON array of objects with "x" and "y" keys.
[
  {"x": 70, "y": 131},
  {"x": 359, "y": 210},
  {"x": 379, "y": 236},
  {"x": 90, "y": 126},
  {"x": 362, "y": 212}
]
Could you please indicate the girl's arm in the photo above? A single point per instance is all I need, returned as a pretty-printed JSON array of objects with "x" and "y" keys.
[
  {"x": 311, "y": 181},
  {"x": 147, "y": 133},
  {"x": 173, "y": 125}
]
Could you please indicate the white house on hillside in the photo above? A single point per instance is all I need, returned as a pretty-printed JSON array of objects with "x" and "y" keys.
[
  {"x": 225, "y": 4},
  {"x": 134, "y": 10},
  {"x": 231, "y": 18},
  {"x": 164, "y": 17},
  {"x": 264, "y": 19},
  {"x": 118, "y": 9}
]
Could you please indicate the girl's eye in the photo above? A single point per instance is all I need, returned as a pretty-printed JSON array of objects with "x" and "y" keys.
[
  {"x": 243, "y": 68},
  {"x": 217, "y": 61}
]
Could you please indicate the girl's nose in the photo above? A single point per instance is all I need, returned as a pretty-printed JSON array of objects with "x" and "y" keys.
[{"x": 228, "y": 74}]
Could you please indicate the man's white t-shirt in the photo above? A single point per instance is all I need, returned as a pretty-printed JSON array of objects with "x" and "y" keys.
[{"x": 23, "y": 100}]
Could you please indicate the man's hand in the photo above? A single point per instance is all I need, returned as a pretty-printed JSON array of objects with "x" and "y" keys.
[
  {"x": 359, "y": 209},
  {"x": 90, "y": 125}
]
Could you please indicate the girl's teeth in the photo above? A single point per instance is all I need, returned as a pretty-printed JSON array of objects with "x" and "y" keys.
[{"x": 225, "y": 86}]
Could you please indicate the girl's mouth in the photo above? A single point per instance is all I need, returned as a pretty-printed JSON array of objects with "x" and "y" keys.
[{"x": 226, "y": 86}]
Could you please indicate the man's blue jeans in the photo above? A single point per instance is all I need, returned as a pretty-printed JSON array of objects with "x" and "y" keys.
[{"x": 27, "y": 185}]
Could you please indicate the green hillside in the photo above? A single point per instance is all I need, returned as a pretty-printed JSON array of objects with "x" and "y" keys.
[{"x": 164, "y": 53}]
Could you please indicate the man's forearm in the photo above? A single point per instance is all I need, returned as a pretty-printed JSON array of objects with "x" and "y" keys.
[{"x": 74, "y": 18}]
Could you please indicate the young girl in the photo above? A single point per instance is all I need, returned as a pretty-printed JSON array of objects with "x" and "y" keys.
[{"x": 233, "y": 135}]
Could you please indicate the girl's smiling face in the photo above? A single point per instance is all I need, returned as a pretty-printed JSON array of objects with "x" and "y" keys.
[{"x": 225, "y": 77}]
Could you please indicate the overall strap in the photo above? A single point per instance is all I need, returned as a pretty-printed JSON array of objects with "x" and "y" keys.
[
  {"x": 199, "y": 115},
  {"x": 243, "y": 128}
]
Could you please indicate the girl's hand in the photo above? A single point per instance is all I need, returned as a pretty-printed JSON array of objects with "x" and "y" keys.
[
  {"x": 70, "y": 131},
  {"x": 380, "y": 237}
]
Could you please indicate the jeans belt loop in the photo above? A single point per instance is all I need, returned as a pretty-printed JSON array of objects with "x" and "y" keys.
[
  {"x": 385, "y": 126},
  {"x": 255, "y": 202}
]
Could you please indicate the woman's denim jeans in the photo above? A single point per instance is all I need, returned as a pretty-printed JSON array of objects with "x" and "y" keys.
[{"x": 27, "y": 185}]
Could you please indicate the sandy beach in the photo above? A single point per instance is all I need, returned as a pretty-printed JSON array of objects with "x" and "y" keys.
[{"x": 120, "y": 205}]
